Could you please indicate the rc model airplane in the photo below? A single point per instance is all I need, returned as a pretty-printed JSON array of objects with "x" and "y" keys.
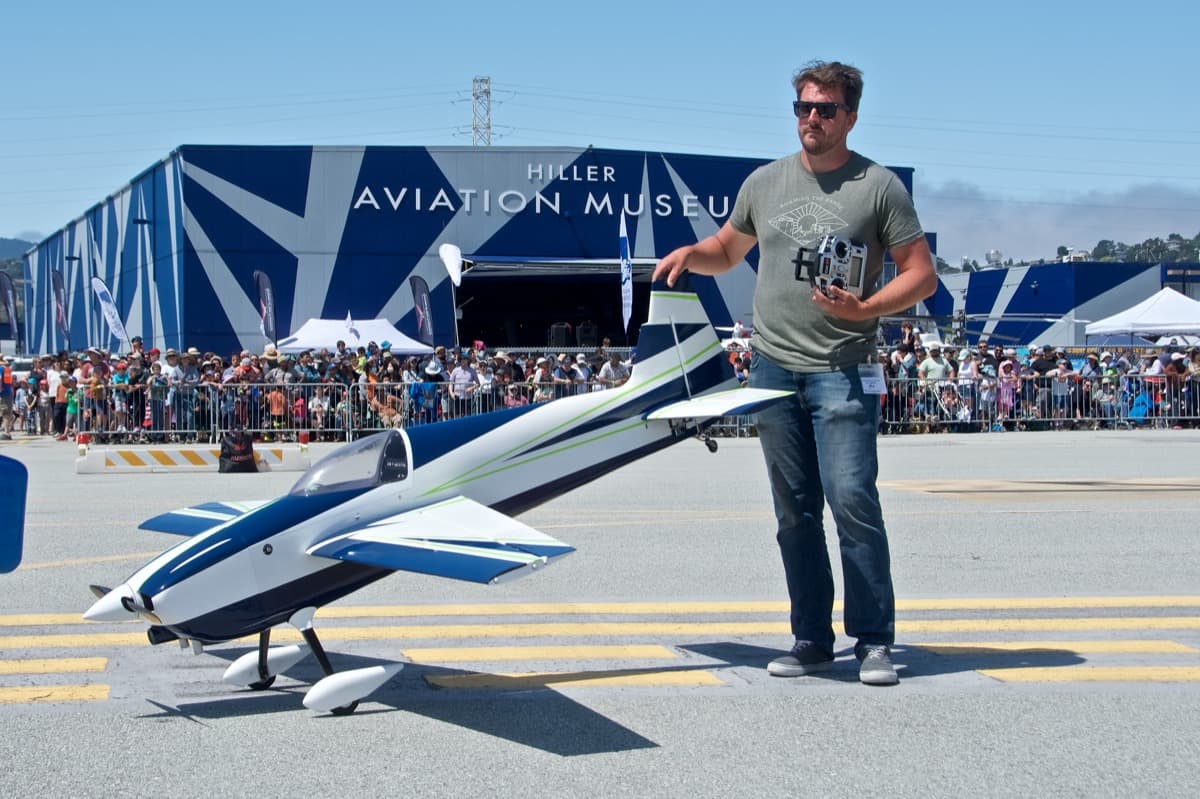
[{"x": 436, "y": 499}]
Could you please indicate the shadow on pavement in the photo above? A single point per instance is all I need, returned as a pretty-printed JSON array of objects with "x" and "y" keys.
[{"x": 532, "y": 715}]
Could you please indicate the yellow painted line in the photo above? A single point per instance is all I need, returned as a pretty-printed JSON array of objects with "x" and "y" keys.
[
  {"x": 1097, "y": 674},
  {"x": 53, "y": 693},
  {"x": 668, "y": 608},
  {"x": 628, "y": 628},
  {"x": 1158, "y": 647},
  {"x": 1049, "y": 603},
  {"x": 194, "y": 458},
  {"x": 1045, "y": 486},
  {"x": 1049, "y": 625},
  {"x": 53, "y": 665},
  {"x": 41, "y": 619},
  {"x": 162, "y": 457},
  {"x": 546, "y": 630},
  {"x": 552, "y": 609},
  {"x": 493, "y": 653},
  {"x": 641, "y": 679},
  {"x": 130, "y": 457},
  {"x": 636, "y": 608},
  {"x": 85, "y": 562},
  {"x": 72, "y": 640}
]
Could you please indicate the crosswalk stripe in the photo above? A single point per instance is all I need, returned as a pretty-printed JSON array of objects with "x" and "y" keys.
[
  {"x": 53, "y": 693},
  {"x": 52, "y": 665},
  {"x": 693, "y": 678},
  {"x": 1096, "y": 674},
  {"x": 1155, "y": 647},
  {"x": 494, "y": 653}
]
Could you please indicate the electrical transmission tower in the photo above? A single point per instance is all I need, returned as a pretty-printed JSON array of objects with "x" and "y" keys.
[{"x": 481, "y": 112}]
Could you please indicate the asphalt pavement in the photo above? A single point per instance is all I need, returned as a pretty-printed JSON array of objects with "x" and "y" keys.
[{"x": 1048, "y": 642}]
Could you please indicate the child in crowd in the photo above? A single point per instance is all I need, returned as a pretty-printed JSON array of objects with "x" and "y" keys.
[
  {"x": 120, "y": 396},
  {"x": 72, "y": 400},
  {"x": 24, "y": 405}
]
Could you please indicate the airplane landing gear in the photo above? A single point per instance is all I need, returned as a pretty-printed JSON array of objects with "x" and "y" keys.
[
  {"x": 338, "y": 693},
  {"x": 266, "y": 678},
  {"x": 258, "y": 670}
]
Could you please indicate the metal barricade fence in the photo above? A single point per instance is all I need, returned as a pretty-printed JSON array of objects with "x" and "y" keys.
[
  {"x": 1038, "y": 403},
  {"x": 341, "y": 412}
]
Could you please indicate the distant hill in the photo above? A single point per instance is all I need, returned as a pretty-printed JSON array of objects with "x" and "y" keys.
[{"x": 13, "y": 248}]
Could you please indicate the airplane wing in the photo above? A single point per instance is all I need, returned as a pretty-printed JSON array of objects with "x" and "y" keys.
[
  {"x": 199, "y": 518},
  {"x": 730, "y": 402},
  {"x": 457, "y": 538}
]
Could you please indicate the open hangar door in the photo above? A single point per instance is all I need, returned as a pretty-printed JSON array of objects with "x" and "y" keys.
[
  {"x": 558, "y": 307},
  {"x": 538, "y": 311}
]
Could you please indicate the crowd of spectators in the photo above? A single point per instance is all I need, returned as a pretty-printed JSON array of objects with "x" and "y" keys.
[
  {"x": 932, "y": 387},
  {"x": 149, "y": 395}
]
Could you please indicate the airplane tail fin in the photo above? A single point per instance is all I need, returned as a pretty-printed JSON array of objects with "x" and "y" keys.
[{"x": 678, "y": 340}]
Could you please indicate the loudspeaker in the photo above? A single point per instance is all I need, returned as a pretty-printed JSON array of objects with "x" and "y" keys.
[
  {"x": 587, "y": 334},
  {"x": 560, "y": 335}
]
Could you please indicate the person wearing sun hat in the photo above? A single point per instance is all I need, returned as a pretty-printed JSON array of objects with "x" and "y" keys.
[{"x": 426, "y": 395}]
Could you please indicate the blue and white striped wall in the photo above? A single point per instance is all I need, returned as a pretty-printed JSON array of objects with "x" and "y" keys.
[{"x": 341, "y": 229}]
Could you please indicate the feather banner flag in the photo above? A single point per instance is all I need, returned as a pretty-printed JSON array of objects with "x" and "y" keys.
[
  {"x": 9, "y": 297},
  {"x": 266, "y": 306},
  {"x": 626, "y": 275},
  {"x": 423, "y": 309},
  {"x": 109, "y": 308},
  {"x": 60, "y": 307}
]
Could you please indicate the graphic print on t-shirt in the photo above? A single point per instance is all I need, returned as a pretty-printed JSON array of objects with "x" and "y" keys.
[{"x": 808, "y": 223}]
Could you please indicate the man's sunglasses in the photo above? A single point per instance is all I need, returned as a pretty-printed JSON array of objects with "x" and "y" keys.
[{"x": 824, "y": 110}]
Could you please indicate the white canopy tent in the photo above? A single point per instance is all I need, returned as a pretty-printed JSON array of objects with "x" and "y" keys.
[
  {"x": 1166, "y": 313},
  {"x": 316, "y": 334}
]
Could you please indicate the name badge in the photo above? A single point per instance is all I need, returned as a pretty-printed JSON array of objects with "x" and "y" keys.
[{"x": 871, "y": 375}]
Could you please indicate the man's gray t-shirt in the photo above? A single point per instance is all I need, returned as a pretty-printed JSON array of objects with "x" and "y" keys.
[{"x": 785, "y": 207}]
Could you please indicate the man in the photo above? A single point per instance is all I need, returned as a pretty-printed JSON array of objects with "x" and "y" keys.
[
  {"x": 613, "y": 373},
  {"x": 464, "y": 381},
  {"x": 820, "y": 444},
  {"x": 989, "y": 357},
  {"x": 581, "y": 374},
  {"x": 935, "y": 368},
  {"x": 7, "y": 399}
]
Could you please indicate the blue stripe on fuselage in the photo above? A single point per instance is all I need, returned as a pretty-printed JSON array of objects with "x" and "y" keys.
[
  {"x": 242, "y": 532},
  {"x": 526, "y": 500},
  {"x": 262, "y": 611},
  {"x": 177, "y": 523},
  {"x": 711, "y": 372},
  {"x": 656, "y": 338},
  {"x": 431, "y": 441}
]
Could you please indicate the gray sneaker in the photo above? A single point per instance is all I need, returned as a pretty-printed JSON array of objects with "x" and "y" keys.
[
  {"x": 806, "y": 657},
  {"x": 876, "y": 665}
]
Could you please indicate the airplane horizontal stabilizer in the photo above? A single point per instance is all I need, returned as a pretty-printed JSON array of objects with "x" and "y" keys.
[
  {"x": 730, "y": 402},
  {"x": 199, "y": 518},
  {"x": 458, "y": 538}
]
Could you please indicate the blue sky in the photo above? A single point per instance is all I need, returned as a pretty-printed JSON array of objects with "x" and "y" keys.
[{"x": 1030, "y": 125}]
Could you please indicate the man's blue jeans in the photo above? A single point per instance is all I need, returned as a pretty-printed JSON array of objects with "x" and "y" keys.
[{"x": 820, "y": 445}]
